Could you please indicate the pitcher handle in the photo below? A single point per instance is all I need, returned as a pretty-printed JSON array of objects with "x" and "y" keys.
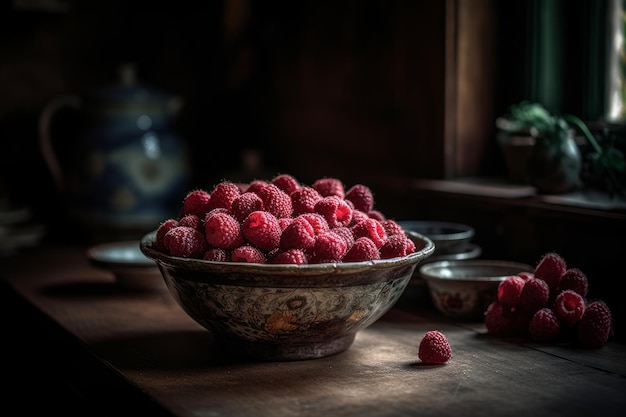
[{"x": 45, "y": 140}]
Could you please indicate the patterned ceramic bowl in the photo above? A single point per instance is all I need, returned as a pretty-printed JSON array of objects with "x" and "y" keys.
[
  {"x": 286, "y": 312},
  {"x": 464, "y": 289}
]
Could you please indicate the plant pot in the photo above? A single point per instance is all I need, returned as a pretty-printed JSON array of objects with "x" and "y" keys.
[{"x": 554, "y": 166}]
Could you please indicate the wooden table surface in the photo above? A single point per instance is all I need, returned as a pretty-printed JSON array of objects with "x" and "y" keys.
[{"x": 80, "y": 342}]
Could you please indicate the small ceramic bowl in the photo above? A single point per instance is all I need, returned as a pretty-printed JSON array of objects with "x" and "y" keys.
[
  {"x": 464, "y": 289},
  {"x": 448, "y": 237},
  {"x": 286, "y": 312}
]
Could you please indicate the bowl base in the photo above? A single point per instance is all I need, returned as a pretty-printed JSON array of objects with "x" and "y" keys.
[{"x": 271, "y": 351}]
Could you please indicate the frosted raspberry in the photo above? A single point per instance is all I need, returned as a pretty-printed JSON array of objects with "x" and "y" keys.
[
  {"x": 223, "y": 231},
  {"x": 276, "y": 201},
  {"x": 357, "y": 217},
  {"x": 196, "y": 202},
  {"x": 509, "y": 290},
  {"x": 544, "y": 326},
  {"x": 247, "y": 254},
  {"x": 576, "y": 280},
  {"x": 392, "y": 227},
  {"x": 363, "y": 249},
  {"x": 298, "y": 235},
  {"x": 330, "y": 246},
  {"x": 371, "y": 228},
  {"x": 186, "y": 242},
  {"x": 335, "y": 210},
  {"x": 595, "y": 326},
  {"x": 551, "y": 268},
  {"x": 283, "y": 222},
  {"x": 362, "y": 197},
  {"x": 159, "y": 240},
  {"x": 375, "y": 214},
  {"x": 292, "y": 256},
  {"x": 245, "y": 204},
  {"x": 499, "y": 319},
  {"x": 303, "y": 200},
  {"x": 192, "y": 220},
  {"x": 256, "y": 185},
  {"x": 286, "y": 182},
  {"x": 346, "y": 234},
  {"x": 534, "y": 295},
  {"x": 223, "y": 195},
  {"x": 434, "y": 348},
  {"x": 329, "y": 186},
  {"x": 262, "y": 230},
  {"x": 396, "y": 246},
  {"x": 318, "y": 222},
  {"x": 216, "y": 254},
  {"x": 569, "y": 307}
]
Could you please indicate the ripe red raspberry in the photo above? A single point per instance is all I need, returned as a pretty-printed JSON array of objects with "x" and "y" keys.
[
  {"x": 329, "y": 246},
  {"x": 569, "y": 307},
  {"x": 245, "y": 204},
  {"x": 371, "y": 228},
  {"x": 276, "y": 201},
  {"x": 509, "y": 290},
  {"x": 223, "y": 195},
  {"x": 396, "y": 246},
  {"x": 346, "y": 234},
  {"x": 576, "y": 280},
  {"x": 247, "y": 254},
  {"x": 318, "y": 222},
  {"x": 526, "y": 275},
  {"x": 375, "y": 214},
  {"x": 551, "y": 268},
  {"x": 357, "y": 217},
  {"x": 196, "y": 202},
  {"x": 303, "y": 200},
  {"x": 363, "y": 249},
  {"x": 329, "y": 186},
  {"x": 595, "y": 326},
  {"x": 186, "y": 242},
  {"x": 362, "y": 197},
  {"x": 335, "y": 210},
  {"x": 292, "y": 256},
  {"x": 286, "y": 182},
  {"x": 159, "y": 239},
  {"x": 192, "y": 220},
  {"x": 434, "y": 348},
  {"x": 256, "y": 185},
  {"x": 262, "y": 230},
  {"x": 499, "y": 320},
  {"x": 298, "y": 235},
  {"x": 544, "y": 326},
  {"x": 223, "y": 231},
  {"x": 534, "y": 295},
  {"x": 216, "y": 254},
  {"x": 392, "y": 227}
]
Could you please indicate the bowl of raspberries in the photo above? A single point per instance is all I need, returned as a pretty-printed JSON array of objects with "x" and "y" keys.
[{"x": 281, "y": 270}]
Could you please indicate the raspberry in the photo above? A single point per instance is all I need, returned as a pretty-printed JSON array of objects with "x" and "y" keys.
[
  {"x": 375, "y": 214},
  {"x": 262, "y": 230},
  {"x": 255, "y": 186},
  {"x": 276, "y": 201},
  {"x": 357, "y": 217},
  {"x": 371, "y": 228},
  {"x": 509, "y": 290},
  {"x": 575, "y": 279},
  {"x": 595, "y": 326},
  {"x": 551, "y": 268},
  {"x": 434, "y": 348},
  {"x": 396, "y": 246},
  {"x": 286, "y": 182},
  {"x": 196, "y": 202},
  {"x": 245, "y": 204},
  {"x": 223, "y": 195},
  {"x": 186, "y": 242},
  {"x": 569, "y": 307},
  {"x": 361, "y": 196},
  {"x": 247, "y": 254},
  {"x": 335, "y": 210},
  {"x": 159, "y": 241},
  {"x": 298, "y": 235},
  {"x": 544, "y": 326},
  {"x": 292, "y": 256},
  {"x": 346, "y": 234},
  {"x": 499, "y": 319},
  {"x": 192, "y": 220},
  {"x": 392, "y": 227},
  {"x": 216, "y": 254},
  {"x": 329, "y": 246},
  {"x": 526, "y": 275},
  {"x": 329, "y": 186},
  {"x": 318, "y": 222},
  {"x": 283, "y": 222},
  {"x": 223, "y": 231},
  {"x": 534, "y": 295},
  {"x": 303, "y": 200},
  {"x": 363, "y": 249}
]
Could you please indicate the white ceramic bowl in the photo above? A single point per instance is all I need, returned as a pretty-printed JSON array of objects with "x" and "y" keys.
[{"x": 464, "y": 289}]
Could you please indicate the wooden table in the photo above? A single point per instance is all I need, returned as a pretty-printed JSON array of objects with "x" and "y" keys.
[{"x": 79, "y": 344}]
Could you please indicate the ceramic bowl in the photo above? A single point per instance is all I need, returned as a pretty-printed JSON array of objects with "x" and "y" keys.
[
  {"x": 448, "y": 237},
  {"x": 464, "y": 289},
  {"x": 286, "y": 312}
]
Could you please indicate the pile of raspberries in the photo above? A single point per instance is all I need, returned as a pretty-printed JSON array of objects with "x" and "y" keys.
[
  {"x": 282, "y": 221},
  {"x": 550, "y": 305}
]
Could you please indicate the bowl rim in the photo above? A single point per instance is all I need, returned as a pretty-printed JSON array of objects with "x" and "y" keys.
[
  {"x": 426, "y": 274},
  {"x": 465, "y": 231}
]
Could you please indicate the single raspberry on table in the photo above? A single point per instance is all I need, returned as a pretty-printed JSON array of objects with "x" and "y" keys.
[
  {"x": 186, "y": 242},
  {"x": 534, "y": 295},
  {"x": 291, "y": 256},
  {"x": 335, "y": 210},
  {"x": 329, "y": 186},
  {"x": 216, "y": 254},
  {"x": 276, "y": 201},
  {"x": 434, "y": 348},
  {"x": 569, "y": 307},
  {"x": 248, "y": 254},
  {"x": 371, "y": 228},
  {"x": 509, "y": 290},
  {"x": 329, "y": 246},
  {"x": 196, "y": 202},
  {"x": 303, "y": 200},
  {"x": 223, "y": 231},
  {"x": 262, "y": 230},
  {"x": 245, "y": 204},
  {"x": 576, "y": 280},
  {"x": 544, "y": 325},
  {"x": 223, "y": 195},
  {"x": 363, "y": 249},
  {"x": 595, "y": 326},
  {"x": 299, "y": 234},
  {"x": 551, "y": 268},
  {"x": 396, "y": 246},
  {"x": 361, "y": 196},
  {"x": 287, "y": 183}
]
